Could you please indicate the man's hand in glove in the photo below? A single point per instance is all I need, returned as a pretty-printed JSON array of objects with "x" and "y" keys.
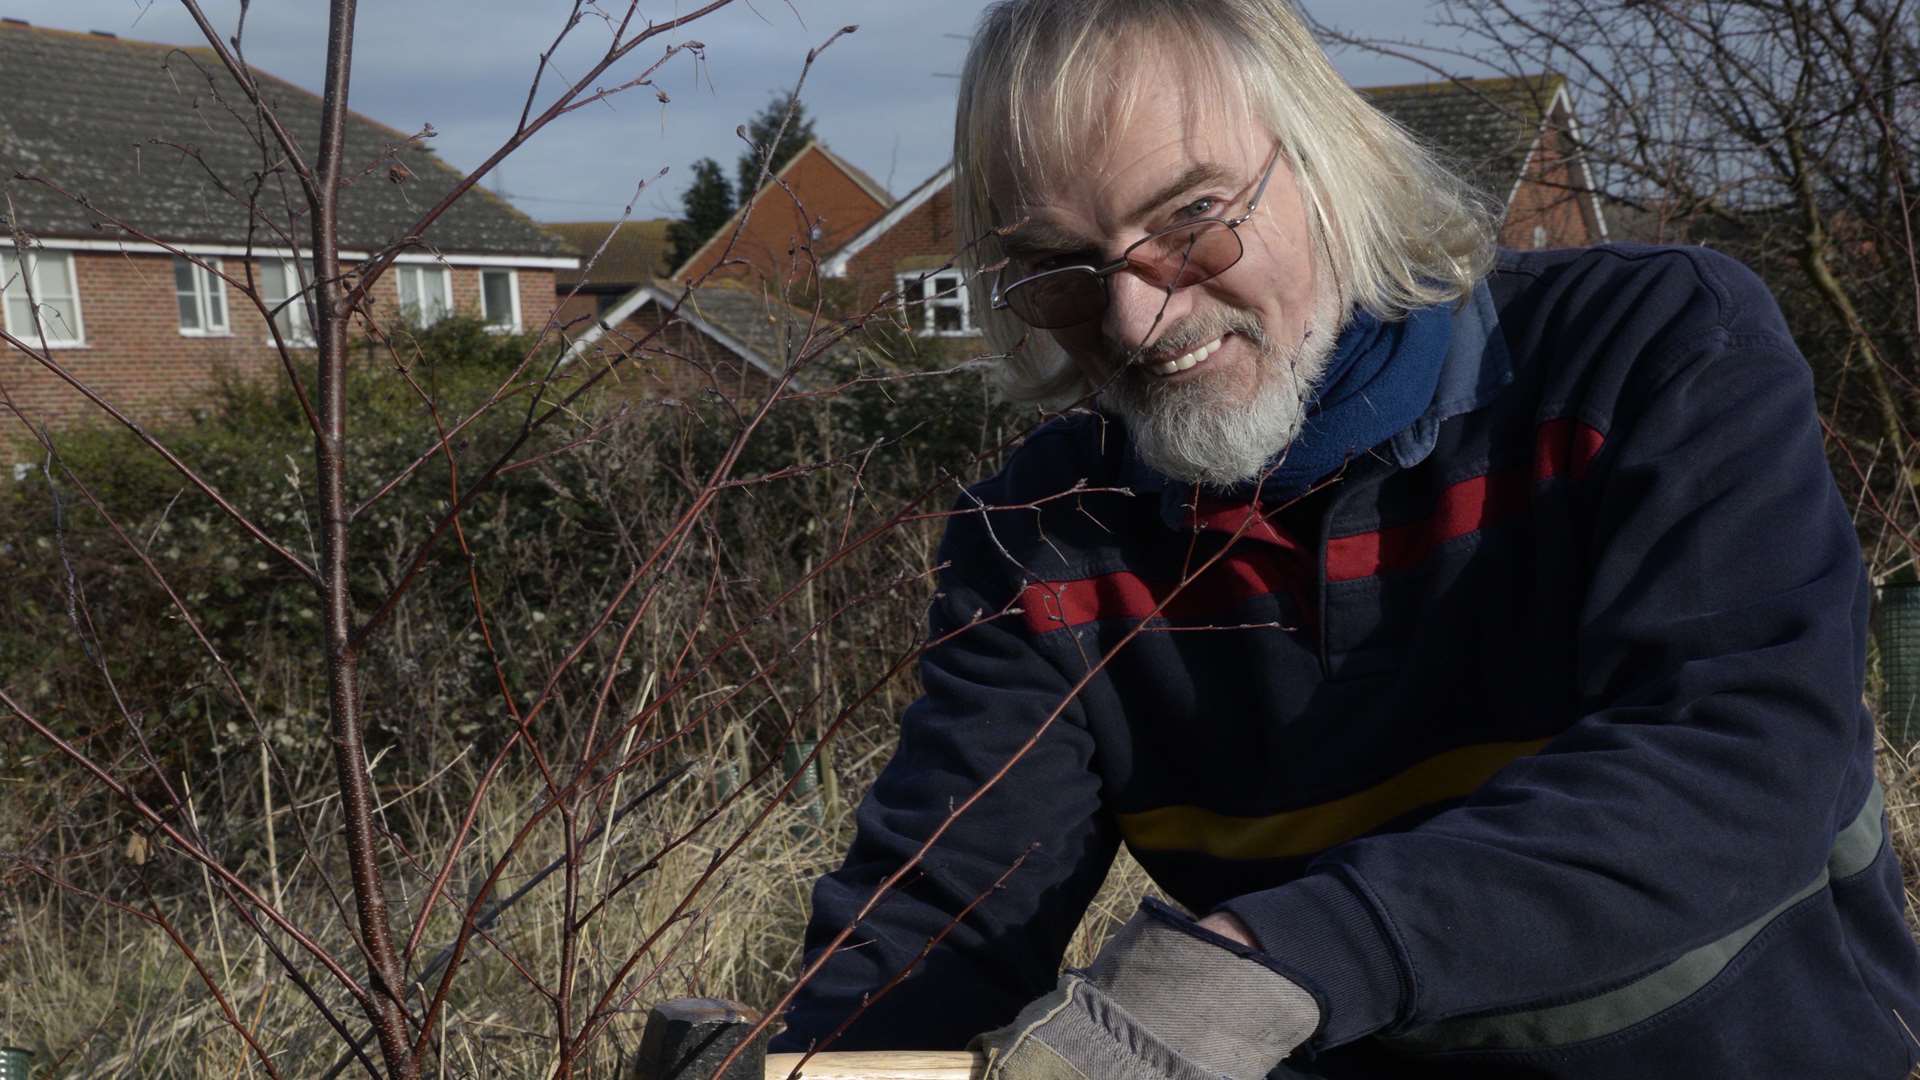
[{"x": 1167, "y": 999}]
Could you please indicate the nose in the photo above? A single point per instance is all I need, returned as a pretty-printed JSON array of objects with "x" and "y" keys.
[{"x": 1137, "y": 310}]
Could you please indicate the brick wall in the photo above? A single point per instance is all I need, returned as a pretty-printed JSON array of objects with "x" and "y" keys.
[
  {"x": 136, "y": 357},
  {"x": 576, "y": 314},
  {"x": 926, "y": 232},
  {"x": 1548, "y": 199},
  {"x": 829, "y": 199}
]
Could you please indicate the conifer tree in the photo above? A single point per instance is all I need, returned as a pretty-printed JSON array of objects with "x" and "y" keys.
[
  {"x": 762, "y": 131},
  {"x": 707, "y": 204}
]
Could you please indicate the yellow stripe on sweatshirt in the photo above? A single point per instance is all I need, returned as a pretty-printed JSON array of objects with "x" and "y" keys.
[{"x": 1313, "y": 829}]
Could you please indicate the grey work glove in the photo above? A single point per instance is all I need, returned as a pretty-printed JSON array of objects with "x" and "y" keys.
[{"x": 1165, "y": 1000}]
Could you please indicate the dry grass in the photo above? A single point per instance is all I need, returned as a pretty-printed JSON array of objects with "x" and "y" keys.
[
  {"x": 115, "y": 999},
  {"x": 111, "y": 997}
]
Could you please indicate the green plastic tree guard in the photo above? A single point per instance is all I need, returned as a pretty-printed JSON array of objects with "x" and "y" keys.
[
  {"x": 806, "y": 790},
  {"x": 15, "y": 1062},
  {"x": 1898, "y": 634}
]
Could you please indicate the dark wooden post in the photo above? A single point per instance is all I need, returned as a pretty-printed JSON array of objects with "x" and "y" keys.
[{"x": 687, "y": 1038}]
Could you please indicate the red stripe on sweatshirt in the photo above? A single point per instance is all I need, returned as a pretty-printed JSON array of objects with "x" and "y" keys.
[
  {"x": 1237, "y": 578},
  {"x": 1563, "y": 447}
]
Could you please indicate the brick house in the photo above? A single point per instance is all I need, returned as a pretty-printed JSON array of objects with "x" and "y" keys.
[
  {"x": 150, "y": 135},
  {"x": 734, "y": 334},
  {"x": 730, "y": 337},
  {"x": 629, "y": 254},
  {"x": 830, "y": 203},
  {"x": 1510, "y": 138}
]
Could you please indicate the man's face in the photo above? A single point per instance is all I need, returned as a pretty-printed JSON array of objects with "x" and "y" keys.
[{"x": 1210, "y": 379}]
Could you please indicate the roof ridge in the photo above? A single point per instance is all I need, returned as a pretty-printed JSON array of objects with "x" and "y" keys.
[
  {"x": 1546, "y": 80},
  {"x": 111, "y": 36},
  {"x": 814, "y": 143},
  {"x": 858, "y": 175},
  {"x": 607, "y": 223}
]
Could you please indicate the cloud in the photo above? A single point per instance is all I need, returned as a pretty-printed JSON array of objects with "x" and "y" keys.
[{"x": 464, "y": 66}]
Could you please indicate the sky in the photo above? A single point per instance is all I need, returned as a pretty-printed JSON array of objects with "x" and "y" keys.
[{"x": 881, "y": 97}]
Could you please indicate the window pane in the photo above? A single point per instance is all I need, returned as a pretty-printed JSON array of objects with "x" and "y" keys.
[
  {"x": 51, "y": 285},
  {"x": 424, "y": 295},
  {"x": 53, "y": 288},
  {"x": 946, "y": 319},
  {"x": 187, "y": 294},
  {"x": 216, "y": 300},
  {"x": 62, "y": 319},
  {"x": 14, "y": 295},
  {"x": 277, "y": 281},
  {"x": 496, "y": 297},
  {"x": 273, "y": 290},
  {"x": 52, "y": 277}
]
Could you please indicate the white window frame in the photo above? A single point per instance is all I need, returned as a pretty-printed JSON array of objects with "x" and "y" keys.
[
  {"x": 207, "y": 283},
  {"x": 954, "y": 297},
  {"x": 512, "y": 326},
  {"x": 13, "y": 270},
  {"x": 418, "y": 319},
  {"x": 299, "y": 331}
]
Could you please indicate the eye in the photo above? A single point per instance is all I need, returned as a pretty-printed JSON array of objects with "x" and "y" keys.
[{"x": 1198, "y": 208}]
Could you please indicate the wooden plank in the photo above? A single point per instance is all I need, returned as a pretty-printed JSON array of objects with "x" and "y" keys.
[{"x": 880, "y": 1065}]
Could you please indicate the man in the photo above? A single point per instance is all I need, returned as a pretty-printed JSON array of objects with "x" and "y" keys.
[{"x": 1473, "y": 643}]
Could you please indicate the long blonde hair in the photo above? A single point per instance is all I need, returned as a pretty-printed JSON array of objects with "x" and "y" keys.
[{"x": 1045, "y": 80}]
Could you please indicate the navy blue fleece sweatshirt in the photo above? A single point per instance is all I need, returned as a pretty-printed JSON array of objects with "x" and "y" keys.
[{"x": 1532, "y": 742}]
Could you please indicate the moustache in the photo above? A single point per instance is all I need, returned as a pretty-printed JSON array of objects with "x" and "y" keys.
[{"x": 1194, "y": 331}]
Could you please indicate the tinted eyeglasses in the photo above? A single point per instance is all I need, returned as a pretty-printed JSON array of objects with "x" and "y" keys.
[{"x": 1054, "y": 297}]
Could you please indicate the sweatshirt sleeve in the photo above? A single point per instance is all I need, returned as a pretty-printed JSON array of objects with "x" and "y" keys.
[
  {"x": 985, "y": 694},
  {"x": 1716, "y": 716}
]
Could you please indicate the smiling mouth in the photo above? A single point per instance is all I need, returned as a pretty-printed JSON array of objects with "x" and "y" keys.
[{"x": 1187, "y": 361}]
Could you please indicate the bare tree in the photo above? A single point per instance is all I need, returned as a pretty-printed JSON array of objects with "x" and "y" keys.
[
  {"x": 1784, "y": 131},
  {"x": 721, "y": 636}
]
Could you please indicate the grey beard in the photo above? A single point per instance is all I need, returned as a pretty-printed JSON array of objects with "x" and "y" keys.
[{"x": 1195, "y": 431}]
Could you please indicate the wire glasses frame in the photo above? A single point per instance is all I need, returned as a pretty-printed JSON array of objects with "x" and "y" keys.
[{"x": 1180, "y": 255}]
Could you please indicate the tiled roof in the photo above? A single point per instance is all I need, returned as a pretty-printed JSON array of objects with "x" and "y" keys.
[
  {"x": 762, "y": 330},
  {"x": 1483, "y": 128},
  {"x": 771, "y": 328},
  {"x": 638, "y": 253},
  {"x": 95, "y": 114}
]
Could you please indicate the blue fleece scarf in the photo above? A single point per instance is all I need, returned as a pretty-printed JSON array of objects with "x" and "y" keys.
[{"x": 1380, "y": 378}]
